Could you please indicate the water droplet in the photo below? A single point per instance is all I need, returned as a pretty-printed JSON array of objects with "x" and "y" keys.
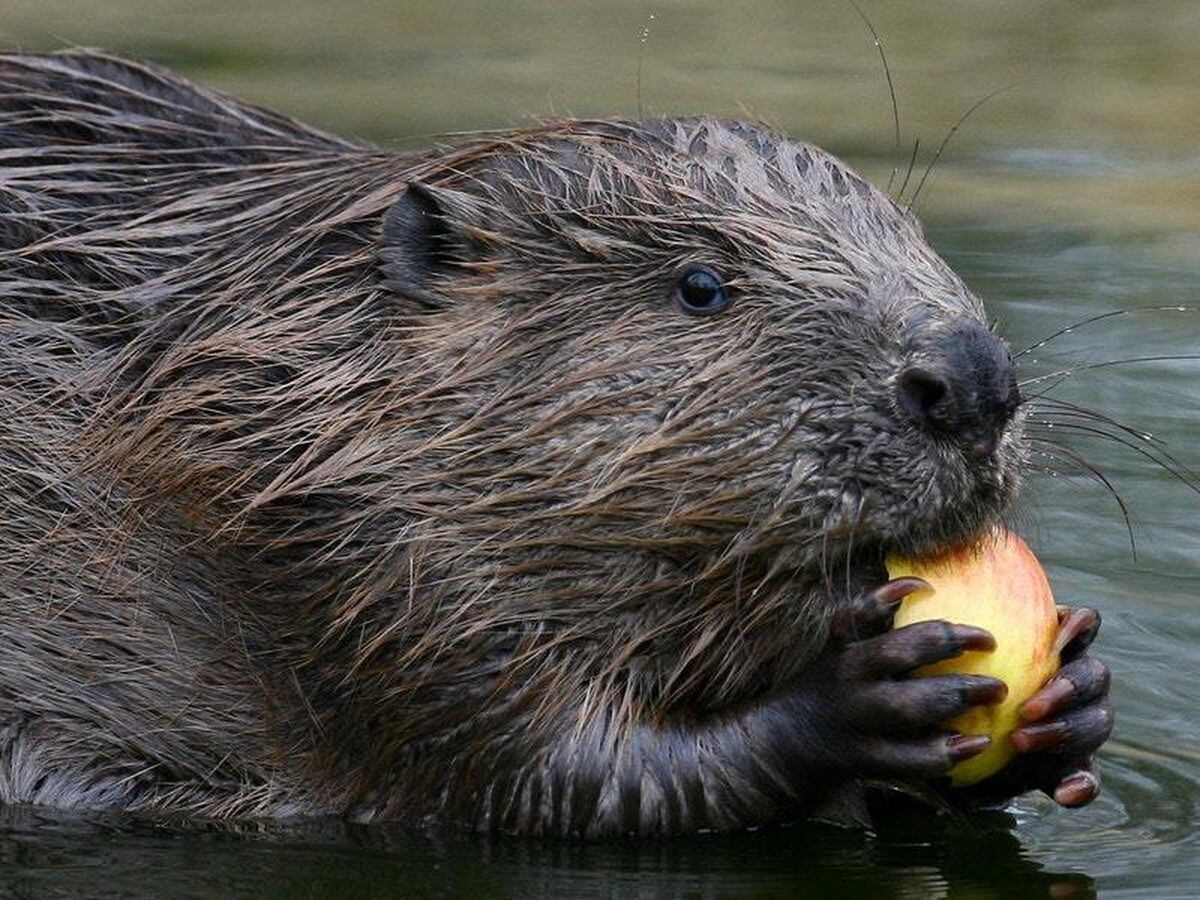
[{"x": 645, "y": 33}]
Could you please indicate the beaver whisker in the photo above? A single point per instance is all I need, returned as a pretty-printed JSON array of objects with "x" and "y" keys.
[
  {"x": 1080, "y": 463},
  {"x": 912, "y": 162},
  {"x": 1062, "y": 374},
  {"x": 1100, "y": 317},
  {"x": 950, "y": 134},
  {"x": 1063, "y": 413},
  {"x": 1054, "y": 404},
  {"x": 887, "y": 72},
  {"x": 1166, "y": 463},
  {"x": 856, "y": 522},
  {"x": 1073, "y": 421}
]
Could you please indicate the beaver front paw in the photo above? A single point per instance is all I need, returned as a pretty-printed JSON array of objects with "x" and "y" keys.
[
  {"x": 1065, "y": 723},
  {"x": 876, "y": 721}
]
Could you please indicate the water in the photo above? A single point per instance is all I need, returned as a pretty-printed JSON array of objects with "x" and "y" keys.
[{"x": 1073, "y": 193}]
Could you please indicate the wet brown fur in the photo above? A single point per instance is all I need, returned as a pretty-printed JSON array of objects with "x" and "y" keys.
[{"x": 282, "y": 532}]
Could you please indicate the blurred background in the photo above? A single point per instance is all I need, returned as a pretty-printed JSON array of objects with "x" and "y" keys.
[
  {"x": 1073, "y": 192},
  {"x": 1101, "y": 126}
]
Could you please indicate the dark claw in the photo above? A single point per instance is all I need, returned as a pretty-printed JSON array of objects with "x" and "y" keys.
[
  {"x": 980, "y": 690},
  {"x": 920, "y": 644},
  {"x": 1032, "y": 738},
  {"x": 1077, "y": 683},
  {"x": 1077, "y": 785},
  {"x": 1077, "y": 733},
  {"x": 1057, "y": 694},
  {"x": 1077, "y": 628},
  {"x": 964, "y": 746},
  {"x": 870, "y": 614},
  {"x": 923, "y": 702},
  {"x": 924, "y": 757}
]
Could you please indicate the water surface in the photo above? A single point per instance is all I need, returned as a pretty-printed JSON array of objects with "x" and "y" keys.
[{"x": 1075, "y": 192}]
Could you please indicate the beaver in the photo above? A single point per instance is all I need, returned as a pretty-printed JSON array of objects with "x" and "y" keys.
[{"x": 536, "y": 482}]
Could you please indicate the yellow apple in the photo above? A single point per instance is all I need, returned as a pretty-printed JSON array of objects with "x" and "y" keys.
[{"x": 996, "y": 584}]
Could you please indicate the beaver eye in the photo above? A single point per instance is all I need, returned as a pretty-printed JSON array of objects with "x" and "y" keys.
[{"x": 699, "y": 292}]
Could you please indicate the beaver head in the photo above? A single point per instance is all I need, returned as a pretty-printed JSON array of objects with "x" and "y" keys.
[{"x": 753, "y": 354}]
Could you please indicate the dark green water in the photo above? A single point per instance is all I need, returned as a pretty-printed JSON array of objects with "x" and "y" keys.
[{"x": 1074, "y": 193}]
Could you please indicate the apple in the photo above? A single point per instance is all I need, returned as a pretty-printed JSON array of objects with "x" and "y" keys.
[{"x": 995, "y": 583}]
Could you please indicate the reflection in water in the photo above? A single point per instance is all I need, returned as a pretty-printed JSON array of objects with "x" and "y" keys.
[
  {"x": 909, "y": 856},
  {"x": 1075, "y": 193}
]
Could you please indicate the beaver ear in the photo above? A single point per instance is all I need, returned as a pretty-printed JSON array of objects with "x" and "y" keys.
[{"x": 421, "y": 241}]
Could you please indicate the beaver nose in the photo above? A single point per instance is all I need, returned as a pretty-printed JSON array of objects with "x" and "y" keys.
[{"x": 962, "y": 386}]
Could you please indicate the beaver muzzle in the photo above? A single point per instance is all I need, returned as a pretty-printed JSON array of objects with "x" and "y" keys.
[{"x": 962, "y": 387}]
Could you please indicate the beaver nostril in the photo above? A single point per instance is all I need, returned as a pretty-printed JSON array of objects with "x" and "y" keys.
[
  {"x": 921, "y": 392},
  {"x": 965, "y": 389}
]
